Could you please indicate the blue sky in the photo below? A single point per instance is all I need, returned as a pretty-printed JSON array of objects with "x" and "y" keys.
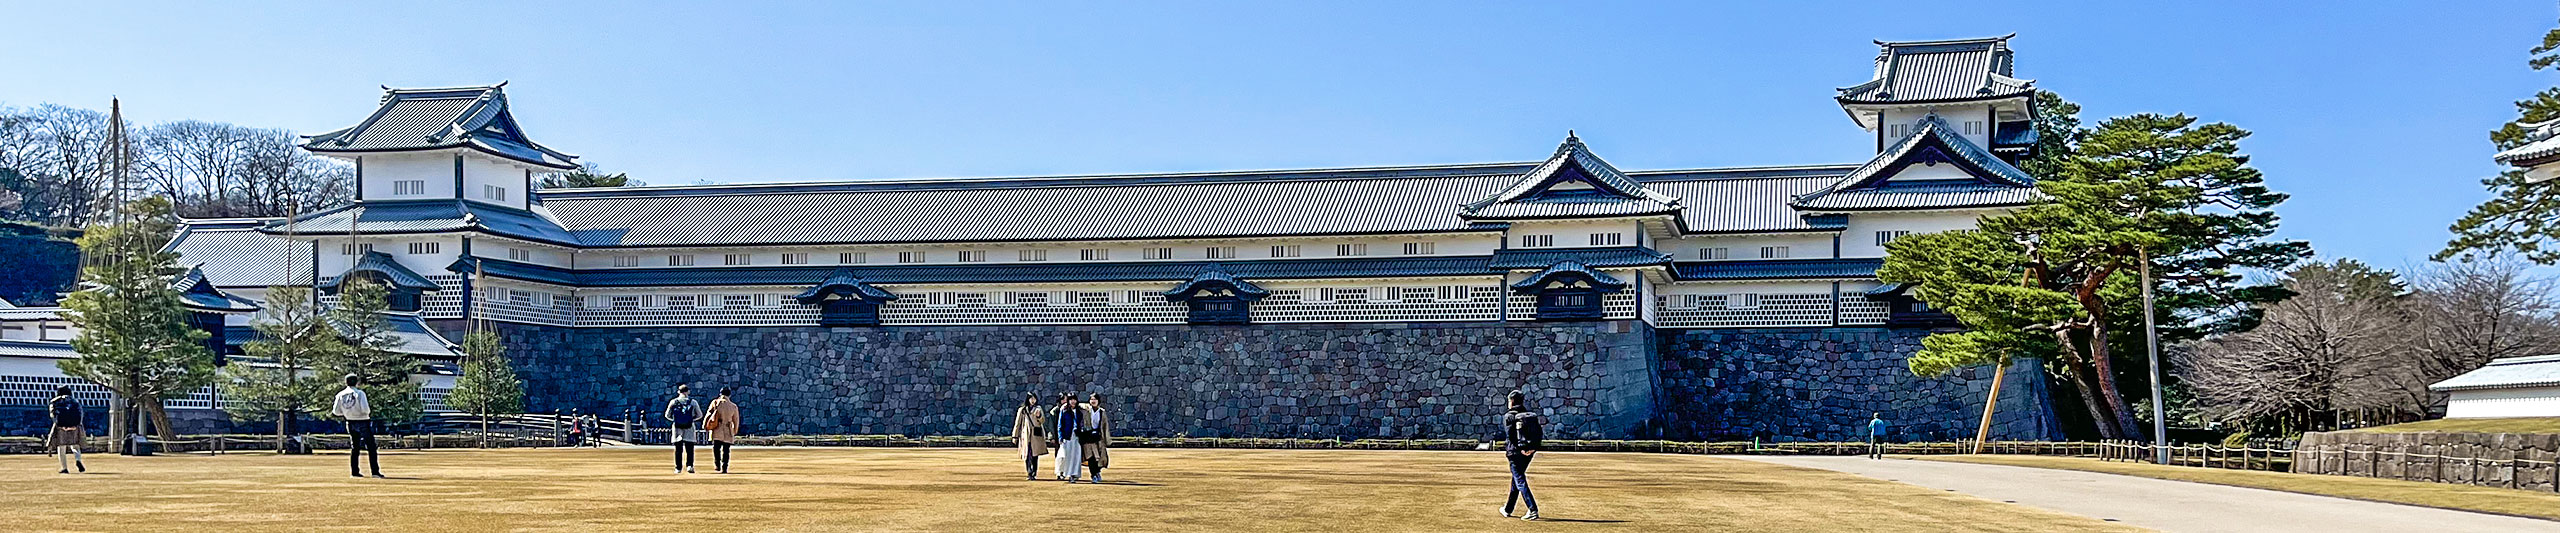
[{"x": 2373, "y": 116}]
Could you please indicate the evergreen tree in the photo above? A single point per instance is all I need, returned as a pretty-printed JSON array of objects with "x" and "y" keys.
[
  {"x": 280, "y": 381},
  {"x": 2525, "y": 216},
  {"x": 488, "y": 385},
  {"x": 381, "y": 372},
  {"x": 2057, "y": 279},
  {"x": 586, "y": 175},
  {"x": 134, "y": 338}
]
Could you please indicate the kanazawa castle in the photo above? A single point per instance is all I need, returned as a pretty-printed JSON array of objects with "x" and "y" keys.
[{"x": 447, "y": 214}]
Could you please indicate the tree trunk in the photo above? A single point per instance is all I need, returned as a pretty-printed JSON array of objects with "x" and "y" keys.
[
  {"x": 160, "y": 419},
  {"x": 2104, "y": 361},
  {"x": 2079, "y": 372},
  {"x": 116, "y": 424},
  {"x": 2100, "y": 357}
]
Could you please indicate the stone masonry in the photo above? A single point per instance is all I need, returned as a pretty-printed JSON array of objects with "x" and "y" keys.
[
  {"x": 1823, "y": 384},
  {"x": 1613, "y": 379}
]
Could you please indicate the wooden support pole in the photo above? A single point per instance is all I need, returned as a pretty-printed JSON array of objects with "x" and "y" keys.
[{"x": 1990, "y": 405}]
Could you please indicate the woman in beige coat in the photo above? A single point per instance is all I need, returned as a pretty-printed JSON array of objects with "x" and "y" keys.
[
  {"x": 1031, "y": 434},
  {"x": 1097, "y": 455},
  {"x": 723, "y": 423}
]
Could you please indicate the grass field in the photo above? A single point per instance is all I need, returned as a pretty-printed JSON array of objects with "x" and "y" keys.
[
  {"x": 2493, "y": 500},
  {"x": 2472, "y": 425},
  {"x": 956, "y": 489}
]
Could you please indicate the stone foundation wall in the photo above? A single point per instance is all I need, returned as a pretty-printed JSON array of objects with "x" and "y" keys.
[
  {"x": 2486, "y": 459},
  {"x": 1823, "y": 384},
  {"x": 1616, "y": 379},
  {"x": 1595, "y": 379}
]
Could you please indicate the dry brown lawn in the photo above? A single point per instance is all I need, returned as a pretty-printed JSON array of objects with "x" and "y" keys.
[
  {"x": 2493, "y": 500},
  {"x": 950, "y": 489}
]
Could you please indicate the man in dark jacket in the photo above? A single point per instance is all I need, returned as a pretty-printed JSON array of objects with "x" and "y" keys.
[
  {"x": 1522, "y": 434},
  {"x": 64, "y": 439}
]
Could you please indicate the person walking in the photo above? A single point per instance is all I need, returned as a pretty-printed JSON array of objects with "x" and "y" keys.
[
  {"x": 1069, "y": 420},
  {"x": 723, "y": 424},
  {"x": 65, "y": 439},
  {"x": 1097, "y": 449},
  {"x": 1522, "y": 434},
  {"x": 356, "y": 409},
  {"x": 1030, "y": 434},
  {"x": 1875, "y": 437},
  {"x": 683, "y": 417}
]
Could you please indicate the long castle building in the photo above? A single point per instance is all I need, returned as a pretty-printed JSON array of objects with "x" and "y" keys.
[{"x": 1399, "y": 302}]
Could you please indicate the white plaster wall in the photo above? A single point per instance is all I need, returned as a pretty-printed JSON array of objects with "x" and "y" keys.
[
  {"x": 1058, "y": 252},
  {"x": 435, "y": 168},
  {"x": 30, "y": 366},
  {"x": 1747, "y": 247},
  {"x": 479, "y": 170},
  {"x": 1751, "y": 287},
  {"x": 1954, "y": 115},
  {"x": 1577, "y": 233},
  {"x": 2501, "y": 403},
  {"x": 1860, "y": 239}
]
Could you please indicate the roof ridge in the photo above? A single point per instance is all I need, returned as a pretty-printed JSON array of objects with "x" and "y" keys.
[{"x": 1061, "y": 181}]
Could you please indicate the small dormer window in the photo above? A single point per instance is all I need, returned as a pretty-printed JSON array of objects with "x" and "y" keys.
[
  {"x": 1973, "y": 127},
  {"x": 493, "y": 193},
  {"x": 424, "y": 248},
  {"x": 1420, "y": 248},
  {"x": 1715, "y": 254},
  {"x": 1031, "y": 255},
  {"x": 520, "y": 255},
  {"x": 408, "y": 187},
  {"x": 1285, "y": 250},
  {"x": 1537, "y": 241},
  {"x": 626, "y": 260},
  {"x": 1608, "y": 239}
]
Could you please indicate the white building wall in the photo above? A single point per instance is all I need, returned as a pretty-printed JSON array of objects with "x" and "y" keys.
[
  {"x": 1747, "y": 247},
  {"x": 480, "y": 172},
  {"x": 1974, "y": 122},
  {"x": 1859, "y": 240},
  {"x": 2503, "y": 403},
  {"x": 383, "y": 172},
  {"x": 1252, "y": 249},
  {"x": 1576, "y": 233}
]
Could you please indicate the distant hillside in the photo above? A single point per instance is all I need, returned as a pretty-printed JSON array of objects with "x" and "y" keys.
[{"x": 40, "y": 262}]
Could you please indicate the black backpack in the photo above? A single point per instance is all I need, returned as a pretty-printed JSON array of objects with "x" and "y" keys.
[
  {"x": 66, "y": 414},
  {"x": 682, "y": 413}
]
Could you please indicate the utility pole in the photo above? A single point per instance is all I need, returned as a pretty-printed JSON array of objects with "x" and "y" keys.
[{"x": 2151, "y": 341}]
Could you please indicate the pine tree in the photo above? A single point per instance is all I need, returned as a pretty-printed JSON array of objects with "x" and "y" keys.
[
  {"x": 488, "y": 385},
  {"x": 2525, "y": 216},
  {"x": 280, "y": 381},
  {"x": 134, "y": 338},
  {"x": 381, "y": 372},
  {"x": 2057, "y": 279}
]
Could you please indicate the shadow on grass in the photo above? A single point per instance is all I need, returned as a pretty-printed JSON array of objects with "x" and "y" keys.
[{"x": 1580, "y": 520}]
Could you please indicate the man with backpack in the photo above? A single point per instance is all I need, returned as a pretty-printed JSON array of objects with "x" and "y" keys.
[
  {"x": 684, "y": 417},
  {"x": 1522, "y": 434},
  {"x": 356, "y": 409},
  {"x": 67, "y": 433}
]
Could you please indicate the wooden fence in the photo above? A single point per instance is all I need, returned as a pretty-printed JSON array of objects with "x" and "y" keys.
[{"x": 2270, "y": 456}]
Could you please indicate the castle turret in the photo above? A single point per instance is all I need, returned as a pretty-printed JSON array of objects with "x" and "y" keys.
[
  {"x": 442, "y": 144},
  {"x": 1968, "y": 83}
]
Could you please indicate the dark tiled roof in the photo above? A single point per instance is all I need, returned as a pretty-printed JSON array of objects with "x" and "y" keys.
[
  {"x": 1611, "y": 257},
  {"x": 1603, "y": 279},
  {"x": 1995, "y": 183},
  {"x": 236, "y": 254},
  {"x": 2014, "y": 136},
  {"x": 45, "y": 349},
  {"x": 415, "y": 338},
  {"x": 427, "y": 119},
  {"x": 382, "y": 264},
  {"x": 1165, "y": 271},
  {"x": 844, "y": 283},
  {"x": 1247, "y": 290},
  {"x": 1779, "y": 269},
  {"x": 429, "y": 216},
  {"x": 1940, "y": 71},
  {"x": 198, "y": 293},
  {"x": 1610, "y": 192}
]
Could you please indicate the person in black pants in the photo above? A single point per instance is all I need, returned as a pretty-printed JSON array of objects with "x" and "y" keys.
[
  {"x": 352, "y": 406},
  {"x": 684, "y": 427},
  {"x": 1522, "y": 433}
]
